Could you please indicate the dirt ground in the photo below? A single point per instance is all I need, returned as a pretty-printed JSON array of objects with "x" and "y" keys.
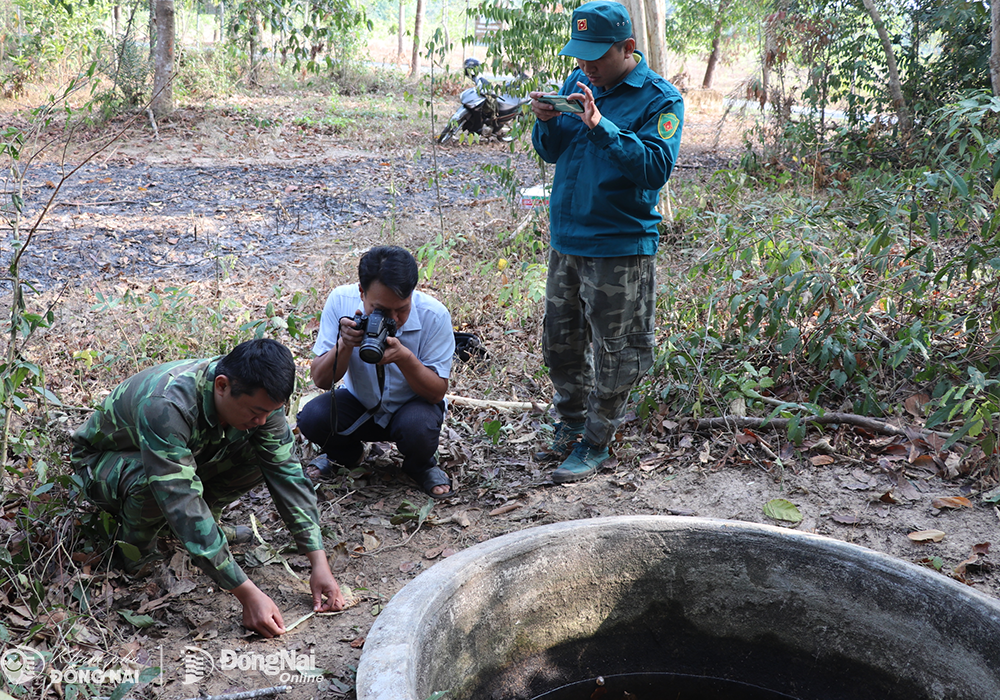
[{"x": 293, "y": 209}]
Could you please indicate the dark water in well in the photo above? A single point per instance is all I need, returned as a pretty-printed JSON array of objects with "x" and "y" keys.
[{"x": 661, "y": 686}]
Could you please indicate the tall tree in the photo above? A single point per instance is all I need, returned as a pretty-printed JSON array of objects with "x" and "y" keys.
[
  {"x": 163, "y": 62},
  {"x": 399, "y": 33},
  {"x": 895, "y": 85},
  {"x": 637, "y": 13},
  {"x": 648, "y": 25},
  {"x": 995, "y": 46},
  {"x": 716, "y": 52},
  {"x": 656, "y": 30},
  {"x": 418, "y": 26},
  {"x": 708, "y": 27}
]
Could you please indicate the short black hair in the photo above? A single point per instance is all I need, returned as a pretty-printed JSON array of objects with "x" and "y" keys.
[
  {"x": 393, "y": 266},
  {"x": 261, "y": 363}
]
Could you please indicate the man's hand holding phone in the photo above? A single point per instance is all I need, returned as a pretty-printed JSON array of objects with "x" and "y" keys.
[{"x": 561, "y": 103}]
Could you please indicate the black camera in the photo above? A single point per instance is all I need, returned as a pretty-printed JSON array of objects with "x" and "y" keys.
[{"x": 376, "y": 328}]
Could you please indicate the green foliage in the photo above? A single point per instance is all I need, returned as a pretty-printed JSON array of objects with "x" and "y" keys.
[
  {"x": 435, "y": 252},
  {"x": 941, "y": 51},
  {"x": 21, "y": 379},
  {"x": 493, "y": 429},
  {"x": 205, "y": 73},
  {"x": 886, "y": 279},
  {"x": 782, "y": 509},
  {"x": 171, "y": 324},
  {"x": 952, "y": 53},
  {"x": 407, "y": 512},
  {"x": 691, "y": 26},
  {"x": 125, "y": 62},
  {"x": 315, "y": 36},
  {"x": 529, "y": 41}
]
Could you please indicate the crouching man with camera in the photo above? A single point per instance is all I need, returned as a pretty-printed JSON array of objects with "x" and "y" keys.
[{"x": 393, "y": 347}]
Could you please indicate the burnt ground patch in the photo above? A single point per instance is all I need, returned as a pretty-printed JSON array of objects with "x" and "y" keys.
[{"x": 139, "y": 220}]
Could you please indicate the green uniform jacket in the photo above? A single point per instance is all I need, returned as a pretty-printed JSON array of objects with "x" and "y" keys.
[{"x": 167, "y": 414}]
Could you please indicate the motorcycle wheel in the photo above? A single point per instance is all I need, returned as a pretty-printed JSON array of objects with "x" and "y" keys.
[{"x": 449, "y": 131}]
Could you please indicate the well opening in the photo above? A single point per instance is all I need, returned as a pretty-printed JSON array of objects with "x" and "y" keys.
[{"x": 789, "y": 612}]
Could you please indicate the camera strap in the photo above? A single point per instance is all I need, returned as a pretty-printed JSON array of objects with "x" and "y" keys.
[{"x": 379, "y": 373}]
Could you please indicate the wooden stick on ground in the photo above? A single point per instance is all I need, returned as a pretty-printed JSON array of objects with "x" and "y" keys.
[
  {"x": 501, "y": 405},
  {"x": 247, "y": 694}
]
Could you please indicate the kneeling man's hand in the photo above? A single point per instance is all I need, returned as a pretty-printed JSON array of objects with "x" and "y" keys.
[
  {"x": 260, "y": 614},
  {"x": 323, "y": 584}
]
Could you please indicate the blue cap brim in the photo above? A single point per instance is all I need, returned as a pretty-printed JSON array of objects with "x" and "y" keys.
[{"x": 586, "y": 50}]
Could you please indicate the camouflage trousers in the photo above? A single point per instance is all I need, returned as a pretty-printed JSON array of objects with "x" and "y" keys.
[
  {"x": 598, "y": 336},
  {"x": 117, "y": 483}
]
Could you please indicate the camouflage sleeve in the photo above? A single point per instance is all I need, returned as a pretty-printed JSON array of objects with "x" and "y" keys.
[
  {"x": 164, "y": 433},
  {"x": 291, "y": 491}
]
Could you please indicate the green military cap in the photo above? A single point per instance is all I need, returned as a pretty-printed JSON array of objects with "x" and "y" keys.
[{"x": 596, "y": 27}]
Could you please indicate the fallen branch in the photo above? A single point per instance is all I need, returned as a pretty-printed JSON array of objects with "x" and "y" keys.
[
  {"x": 247, "y": 694},
  {"x": 872, "y": 424},
  {"x": 502, "y": 405}
]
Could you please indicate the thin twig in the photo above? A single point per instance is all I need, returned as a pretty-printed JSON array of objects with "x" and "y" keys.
[{"x": 152, "y": 122}]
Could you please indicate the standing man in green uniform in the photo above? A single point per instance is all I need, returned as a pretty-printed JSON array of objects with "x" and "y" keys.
[
  {"x": 174, "y": 444},
  {"x": 612, "y": 158}
]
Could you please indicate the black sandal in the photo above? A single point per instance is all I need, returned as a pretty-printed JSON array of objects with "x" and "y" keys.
[{"x": 431, "y": 477}]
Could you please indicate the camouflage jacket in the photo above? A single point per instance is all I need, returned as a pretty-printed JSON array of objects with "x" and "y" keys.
[{"x": 167, "y": 414}]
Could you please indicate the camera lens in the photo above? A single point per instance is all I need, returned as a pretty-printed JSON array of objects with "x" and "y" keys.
[{"x": 371, "y": 352}]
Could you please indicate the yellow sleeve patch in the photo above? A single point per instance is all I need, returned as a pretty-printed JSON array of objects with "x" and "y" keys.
[{"x": 667, "y": 126}]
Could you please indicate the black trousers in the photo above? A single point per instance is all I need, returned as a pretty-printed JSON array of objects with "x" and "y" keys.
[{"x": 415, "y": 428}]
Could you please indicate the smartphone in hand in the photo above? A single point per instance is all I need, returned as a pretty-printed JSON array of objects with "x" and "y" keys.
[{"x": 562, "y": 104}]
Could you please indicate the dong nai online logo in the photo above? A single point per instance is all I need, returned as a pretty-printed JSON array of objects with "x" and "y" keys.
[
  {"x": 21, "y": 665},
  {"x": 288, "y": 665}
]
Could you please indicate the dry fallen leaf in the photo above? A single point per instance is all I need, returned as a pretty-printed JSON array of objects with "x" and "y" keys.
[
  {"x": 371, "y": 541},
  {"x": 821, "y": 460},
  {"x": 650, "y": 461},
  {"x": 915, "y": 404},
  {"x": 926, "y": 536},
  {"x": 339, "y": 558},
  {"x": 951, "y": 502},
  {"x": 433, "y": 553},
  {"x": 461, "y": 518},
  {"x": 845, "y": 519}
]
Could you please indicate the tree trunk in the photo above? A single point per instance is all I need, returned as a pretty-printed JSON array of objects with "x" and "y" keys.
[
  {"x": 418, "y": 25},
  {"x": 895, "y": 87},
  {"x": 399, "y": 34},
  {"x": 656, "y": 31},
  {"x": 163, "y": 71},
  {"x": 152, "y": 31},
  {"x": 638, "y": 16},
  {"x": 713, "y": 57},
  {"x": 995, "y": 44}
]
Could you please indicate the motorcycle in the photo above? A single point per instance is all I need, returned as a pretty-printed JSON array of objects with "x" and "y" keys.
[{"x": 483, "y": 111}]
